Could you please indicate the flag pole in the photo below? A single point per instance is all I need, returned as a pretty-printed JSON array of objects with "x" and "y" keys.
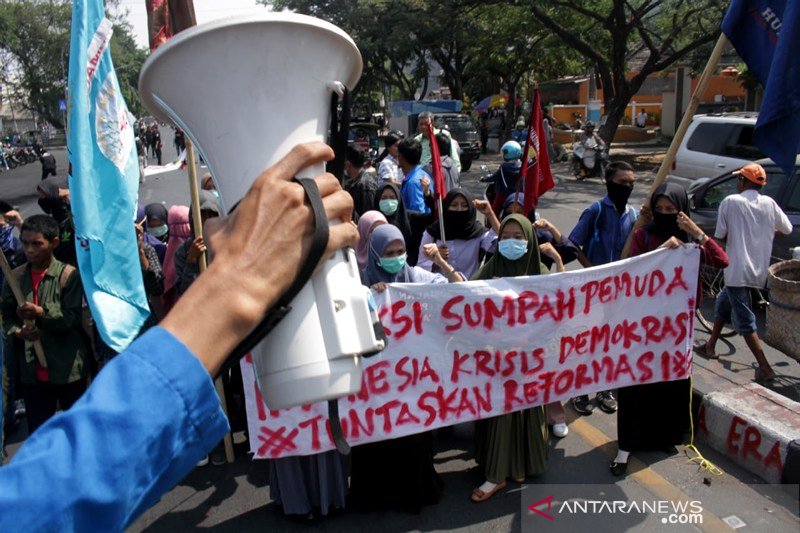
[
  {"x": 680, "y": 133},
  {"x": 17, "y": 292},
  {"x": 197, "y": 223},
  {"x": 441, "y": 221}
]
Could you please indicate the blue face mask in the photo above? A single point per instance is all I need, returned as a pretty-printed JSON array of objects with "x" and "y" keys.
[
  {"x": 393, "y": 265},
  {"x": 388, "y": 207},
  {"x": 512, "y": 249},
  {"x": 158, "y": 231}
]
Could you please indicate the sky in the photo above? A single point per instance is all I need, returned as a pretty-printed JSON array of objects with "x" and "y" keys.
[{"x": 205, "y": 10}]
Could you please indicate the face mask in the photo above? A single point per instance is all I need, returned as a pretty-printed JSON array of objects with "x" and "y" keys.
[
  {"x": 619, "y": 194},
  {"x": 513, "y": 249},
  {"x": 388, "y": 207},
  {"x": 393, "y": 265},
  {"x": 158, "y": 231},
  {"x": 666, "y": 223}
]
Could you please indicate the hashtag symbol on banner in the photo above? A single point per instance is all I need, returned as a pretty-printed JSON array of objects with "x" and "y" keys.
[{"x": 275, "y": 443}]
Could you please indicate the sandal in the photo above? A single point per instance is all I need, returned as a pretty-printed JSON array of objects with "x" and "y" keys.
[
  {"x": 479, "y": 496},
  {"x": 700, "y": 349}
]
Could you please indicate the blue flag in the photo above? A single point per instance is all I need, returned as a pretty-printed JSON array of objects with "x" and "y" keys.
[
  {"x": 766, "y": 34},
  {"x": 104, "y": 181}
]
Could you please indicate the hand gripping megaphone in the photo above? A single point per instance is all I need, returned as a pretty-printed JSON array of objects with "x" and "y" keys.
[{"x": 246, "y": 90}]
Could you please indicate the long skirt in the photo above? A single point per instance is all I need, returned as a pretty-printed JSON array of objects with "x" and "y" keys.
[
  {"x": 314, "y": 482},
  {"x": 512, "y": 446},
  {"x": 653, "y": 416},
  {"x": 395, "y": 474}
]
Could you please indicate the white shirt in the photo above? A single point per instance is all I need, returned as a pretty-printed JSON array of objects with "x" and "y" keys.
[
  {"x": 389, "y": 170},
  {"x": 749, "y": 221},
  {"x": 464, "y": 254}
]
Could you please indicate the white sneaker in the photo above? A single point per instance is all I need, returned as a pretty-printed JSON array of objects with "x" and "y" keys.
[
  {"x": 560, "y": 430},
  {"x": 203, "y": 461}
]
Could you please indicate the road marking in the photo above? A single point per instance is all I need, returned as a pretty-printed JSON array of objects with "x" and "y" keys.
[{"x": 644, "y": 475}]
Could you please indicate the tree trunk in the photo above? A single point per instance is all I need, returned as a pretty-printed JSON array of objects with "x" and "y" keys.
[{"x": 615, "y": 111}]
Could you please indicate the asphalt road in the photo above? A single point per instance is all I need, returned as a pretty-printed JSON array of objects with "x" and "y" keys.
[{"x": 236, "y": 497}]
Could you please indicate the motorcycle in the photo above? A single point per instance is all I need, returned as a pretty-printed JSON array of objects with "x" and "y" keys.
[
  {"x": 30, "y": 154},
  {"x": 20, "y": 155},
  {"x": 488, "y": 192},
  {"x": 589, "y": 159}
]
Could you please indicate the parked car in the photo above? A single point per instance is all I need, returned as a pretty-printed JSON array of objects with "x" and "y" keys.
[
  {"x": 464, "y": 132},
  {"x": 706, "y": 195},
  {"x": 715, "y": 143}
]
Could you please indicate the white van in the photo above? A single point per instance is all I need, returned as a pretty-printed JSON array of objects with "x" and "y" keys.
[{"x": 715, "y": 144}]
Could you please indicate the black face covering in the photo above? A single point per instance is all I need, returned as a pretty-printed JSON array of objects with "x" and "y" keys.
[
  {"x": 667, "y": 224},
  {"x": 619, "y": 194}
]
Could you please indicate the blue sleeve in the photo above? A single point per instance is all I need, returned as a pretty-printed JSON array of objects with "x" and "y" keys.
[
  {"x": 145, "y": 422},
  {"x": 584, "y": 229}
]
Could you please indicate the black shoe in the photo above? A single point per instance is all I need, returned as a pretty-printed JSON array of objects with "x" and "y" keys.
[
  {"x": 218, "y": 457},
  {"x": 618, "y": 469},
  {"x": 582, "y": 405},
  {"x": 607, "y": 401}
]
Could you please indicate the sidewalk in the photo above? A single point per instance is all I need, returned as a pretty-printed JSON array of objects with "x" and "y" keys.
[{"x": 755, "y": 426}]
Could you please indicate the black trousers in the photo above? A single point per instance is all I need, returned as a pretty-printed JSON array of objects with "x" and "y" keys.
[{"x": 41, "y": 400}]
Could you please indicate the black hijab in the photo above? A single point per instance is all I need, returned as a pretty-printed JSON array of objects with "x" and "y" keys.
[
  {"x": 666, "y": 226},
  {"x": 399, "y": 218},
  {"x": 461, "y": 225},
  {"x": 52, "y": 203}
]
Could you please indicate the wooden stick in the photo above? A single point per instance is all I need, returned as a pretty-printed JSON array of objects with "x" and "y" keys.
[
  {"x": 441, "y": 222},
  {"x": 197, "y": 222},
  {"x": 14, "y": 286},
  {"x": 680, "y": 133}
]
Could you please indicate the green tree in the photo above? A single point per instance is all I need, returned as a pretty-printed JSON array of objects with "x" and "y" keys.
[
  {"x": 612, "y": 35},
  {"x": 34, "y": 39},
  {"x": 34, "y": 49}
]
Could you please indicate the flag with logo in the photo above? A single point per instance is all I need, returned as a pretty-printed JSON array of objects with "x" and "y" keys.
[
  {"x": 535, "y": 172},
  {"x": 766, "y": 34},
  {"x": 104, "y": 180}
]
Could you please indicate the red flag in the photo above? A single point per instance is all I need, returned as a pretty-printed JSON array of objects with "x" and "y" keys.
[
  {"x": 436, "y": 165},
  {"x": 535, "y": 163},
  {"x": 165, "y": 18}
]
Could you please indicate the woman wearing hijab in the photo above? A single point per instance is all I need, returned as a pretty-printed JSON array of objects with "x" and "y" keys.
[
  {"x": 656, "y": 415},
  {"x": 156, "y": 225},
  {"x": 513, "y": 445},
  {"x": 396, "y": 473},
  {"x": 187, "y": 256},
  {"x": 546, "y": 232},
  {"x": 467, "y": 239},
  {"x": 366, "y": 224},
  {"x": 53, "y": 195},
  {"x": 179, "y": 232},
  {"x": 389, "y": 202}
]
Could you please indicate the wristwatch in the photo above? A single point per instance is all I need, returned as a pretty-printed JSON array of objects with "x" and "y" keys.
[{"x": 700, "y": 237}]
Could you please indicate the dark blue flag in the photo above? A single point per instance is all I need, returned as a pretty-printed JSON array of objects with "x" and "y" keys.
[{"x": 766, "y": 34}]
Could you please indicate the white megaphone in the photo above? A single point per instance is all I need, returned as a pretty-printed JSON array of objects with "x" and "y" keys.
[{"x": 246, "y": 90}]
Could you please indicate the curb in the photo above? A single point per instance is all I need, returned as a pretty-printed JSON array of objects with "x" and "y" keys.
[{"x": 755, "y": 427}]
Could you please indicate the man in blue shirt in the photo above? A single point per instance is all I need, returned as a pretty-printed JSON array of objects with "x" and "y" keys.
[
  {"x": 153, "y": 412},
  {"x": 416, "y": 180},
  {"x": 600, "y": 235}
]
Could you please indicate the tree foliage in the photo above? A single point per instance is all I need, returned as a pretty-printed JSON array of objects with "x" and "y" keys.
[
  {"x": 626, "y": 40},
  {"x": 474, "y": 50},
  {"x": 34, "y": 49}
]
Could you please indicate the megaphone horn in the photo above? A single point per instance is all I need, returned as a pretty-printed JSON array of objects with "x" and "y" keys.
[{"x": 246, "y": 90}]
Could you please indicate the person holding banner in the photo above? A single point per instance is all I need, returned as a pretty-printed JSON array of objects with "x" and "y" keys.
[
  {"x": 397, "y": 473},
  {"x": 513, "y": 445},
  {"x": 600, "y": 234},
  {"x": 467, "y": 239},
  {"x": 656, "y": 415}
]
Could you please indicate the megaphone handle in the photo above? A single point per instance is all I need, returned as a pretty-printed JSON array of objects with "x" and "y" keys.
[
  {"x": 276, "y": 314},
  {"x": 340, "y": 131}
]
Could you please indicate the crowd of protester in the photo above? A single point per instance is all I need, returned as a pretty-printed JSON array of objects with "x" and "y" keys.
[{"x": 400, "y": 240}]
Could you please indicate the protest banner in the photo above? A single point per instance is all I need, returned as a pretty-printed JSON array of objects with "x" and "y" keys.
[{"x": 465, "y": 351}]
